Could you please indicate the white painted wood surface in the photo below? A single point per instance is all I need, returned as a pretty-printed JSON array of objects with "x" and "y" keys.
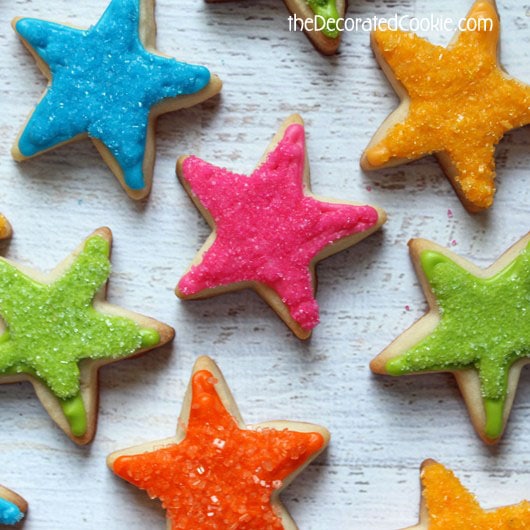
[{"x": 382, "y": 429}]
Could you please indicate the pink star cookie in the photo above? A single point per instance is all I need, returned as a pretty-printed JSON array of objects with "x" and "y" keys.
[{"x": 269, "y": 230}]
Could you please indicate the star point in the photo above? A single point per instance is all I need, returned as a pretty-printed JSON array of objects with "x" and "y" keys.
[
  {"x": 218, "y": 473},
  {"x": 13, "y": 507},
  {"x": 5, "y": 228},
  {"x": 269, "y": 229}
]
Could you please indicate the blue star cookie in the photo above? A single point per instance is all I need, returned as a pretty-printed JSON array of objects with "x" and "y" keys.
[{"x": 107, "y": 83}]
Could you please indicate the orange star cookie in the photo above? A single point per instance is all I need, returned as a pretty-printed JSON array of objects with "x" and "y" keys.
[
  {"x": 446, "y": 504},
  {"x": 217, "y": 473},
  {"x": 457, "y": 103}
]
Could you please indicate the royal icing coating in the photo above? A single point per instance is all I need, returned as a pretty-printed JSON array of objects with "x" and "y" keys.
[
  {"x": 484, "y": 324},
  {"x": 461, "y": 103},
  {"x": 268, "y": 230},
  {"x": 327, "y": 9},
  {"x": 103, "y": 83},
  {"x": 52, "y": 327},
  {"x": 451, "y": 506},
  {"x": 10, "y": 513},
  {"x": 219, "y": 476}
]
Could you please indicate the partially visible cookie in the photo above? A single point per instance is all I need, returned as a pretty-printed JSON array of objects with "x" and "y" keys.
[
  {"x": 5, "y": 228},
  {"x": 269, "y": 229},
  {"x": 109, "y": 83},
  {"x": 217, "y": 472},
  {"x": 13, "y": 507},
  {"x": 324, "y": 30},
  {"x": 477, "y": 327},
  {"x": 456, "y": 103},
  {"x": 58, "y": 330},
  {"x": 447, "y": 505}
]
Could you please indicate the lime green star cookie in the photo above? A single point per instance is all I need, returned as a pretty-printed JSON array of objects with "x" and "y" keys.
[
  {"x": 321, "y": 20},
  {"x": 478, "y": 327},
  {"x": 60, "y": 330}
]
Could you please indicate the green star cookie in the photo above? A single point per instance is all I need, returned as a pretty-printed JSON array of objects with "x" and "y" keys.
[
  {"x": 60, "y": 331},
  {"x": 321, "y": 20},
  {"x": 478, "y": 328}
]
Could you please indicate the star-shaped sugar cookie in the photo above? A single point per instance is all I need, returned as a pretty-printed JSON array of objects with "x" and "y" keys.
[
  {"x": 108, "y": 83},
  {"x": 478, "y": 327},
  {"x": 457, "y": 103},
  {"x": 321, "y": 20},
  {"x": 218, "y": 472},
  {"x": 269, "y": 230},
  {"x": 447, "y": 505},
  {"x": 59, "y": 330},
  {"x": 13, "y": 507}
]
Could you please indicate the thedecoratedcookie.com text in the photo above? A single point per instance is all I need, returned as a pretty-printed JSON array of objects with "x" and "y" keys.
[{"x": 396, "y": 22}]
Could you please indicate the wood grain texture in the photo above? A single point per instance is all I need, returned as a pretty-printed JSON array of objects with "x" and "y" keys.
[{"x": 381, "y": 429}]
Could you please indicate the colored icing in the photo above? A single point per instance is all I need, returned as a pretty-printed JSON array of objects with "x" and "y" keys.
[
  {"x": 5, "y": 228},
  {"x": 267, "y": 229},
  {"x": 450, "y": 505},
  {"x": 104, "y": 83},
  {"x": 52, "y": 327},
  {"x": 9, "y": 513},
  {"x": 461, "y": 103},
  {"x": 328, "y": 10},
  {"x": 220, "y": 476},
  {"x": 484, "y": 324},
  {"x": 75, "y": 413}
]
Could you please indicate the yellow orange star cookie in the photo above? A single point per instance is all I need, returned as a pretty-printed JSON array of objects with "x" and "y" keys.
[
  {"x": 457, "y": 103},
  {"x": 5, "y": 228},
  {"x": 447, "y": 505}
]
